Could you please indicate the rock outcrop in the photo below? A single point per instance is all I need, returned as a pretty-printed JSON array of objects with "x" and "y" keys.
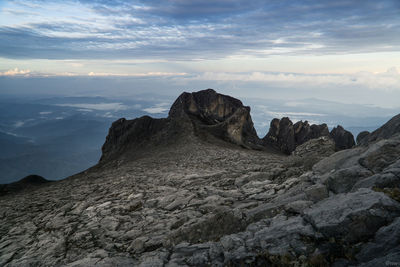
[
  {"x": 281, "y": 135},
  {"x": 304, "y": 131},
  {"x": 197, "y": 114},
  {"x": 223, "y": 116},
  {"x": 204, "y": 113},
  {"x": 286, "y": 136}
]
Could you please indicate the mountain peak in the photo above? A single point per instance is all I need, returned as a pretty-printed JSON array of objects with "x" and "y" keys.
[{"x": 198, "y": 114}]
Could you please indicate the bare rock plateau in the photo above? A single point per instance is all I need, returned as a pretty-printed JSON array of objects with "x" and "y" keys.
[{"x": 199, "y": 188}]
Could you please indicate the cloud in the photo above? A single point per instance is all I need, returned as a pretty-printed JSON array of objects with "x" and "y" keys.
[
  {"x": 147, "y": 74},
  {"x": 157, "y": 109},
  {"x": 389, "y": 80},
  {"x": 98, "y": 106},
  {"x": 29, "y": 73},
  {"x": 15, "y": 72},
  {"x": 19, "y": 124}
]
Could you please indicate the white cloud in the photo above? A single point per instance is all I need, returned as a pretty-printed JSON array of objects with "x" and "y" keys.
[
  {"x": 157, "y": 109},
  {"x": 389, "y": 80},
  {"x": 19, "y": 124},
  {"x": 45, "y": 112},
  {"x": 108, "y": 115},
  {"x": 27, "y": 72},
  {"x": 14, "y": 72},
  {"x": 98, "y": 106},
  {"x": 280, "y": 114},
  {"x": 147, "y": 74}
]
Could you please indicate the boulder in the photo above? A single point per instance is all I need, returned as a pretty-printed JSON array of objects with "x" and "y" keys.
[
  {"x": 343, "y": 180},
  {"x": 353, "y": 217},
  {"x": 381, "y": 154}
]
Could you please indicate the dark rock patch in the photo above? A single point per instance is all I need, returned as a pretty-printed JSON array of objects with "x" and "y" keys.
[
  {"x": 286, "y": 136},
  {"x": 29, "y": 182},
  {"x": 343, "y": 138}
]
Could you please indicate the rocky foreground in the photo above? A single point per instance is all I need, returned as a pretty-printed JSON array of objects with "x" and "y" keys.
[{"x": 199, "y": 188}]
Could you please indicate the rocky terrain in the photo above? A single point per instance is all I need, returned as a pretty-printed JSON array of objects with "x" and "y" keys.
[{"x": 199, "y": 188}]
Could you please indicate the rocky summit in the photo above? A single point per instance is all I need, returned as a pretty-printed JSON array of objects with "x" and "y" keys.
[
  {"x": 199, "y": 188},
  {"x": 206, "y": 115}
]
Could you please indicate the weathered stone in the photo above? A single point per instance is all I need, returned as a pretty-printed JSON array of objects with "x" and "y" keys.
[
  {"x": 317, "y": 192},
  {"x": 353, "y": 216},
  {"x": 298, "y": 206},
  {"x": 286, "y": 137},
  {"x": 281, "y": 135},
  {"x": 381, "y": 154},
  {"x": 386, "y": 241},
  {"x": 343, "y": 180}
]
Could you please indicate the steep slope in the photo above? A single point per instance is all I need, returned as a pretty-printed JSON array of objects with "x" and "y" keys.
[{"x": 174, "y": 192}]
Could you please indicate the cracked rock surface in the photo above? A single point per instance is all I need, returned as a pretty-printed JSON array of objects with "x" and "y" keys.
[{"x": 201, "y": 205}]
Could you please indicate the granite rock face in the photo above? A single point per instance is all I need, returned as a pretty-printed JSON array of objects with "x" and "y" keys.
[
  {"x": 173, "y": 192},
  {"x": 197, "y": 114},
  {"x": 223, "y": 116},
  {"x": 281, "y": 135},
  {"x": 303, "y": 131}
]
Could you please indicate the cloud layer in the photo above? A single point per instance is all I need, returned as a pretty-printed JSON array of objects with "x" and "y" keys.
[
  {"x": 183, "y": 30},
  {"x": 389, "y": 80}
]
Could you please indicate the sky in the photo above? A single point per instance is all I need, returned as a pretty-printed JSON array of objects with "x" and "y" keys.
[{"x": 346, "y": 51}]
